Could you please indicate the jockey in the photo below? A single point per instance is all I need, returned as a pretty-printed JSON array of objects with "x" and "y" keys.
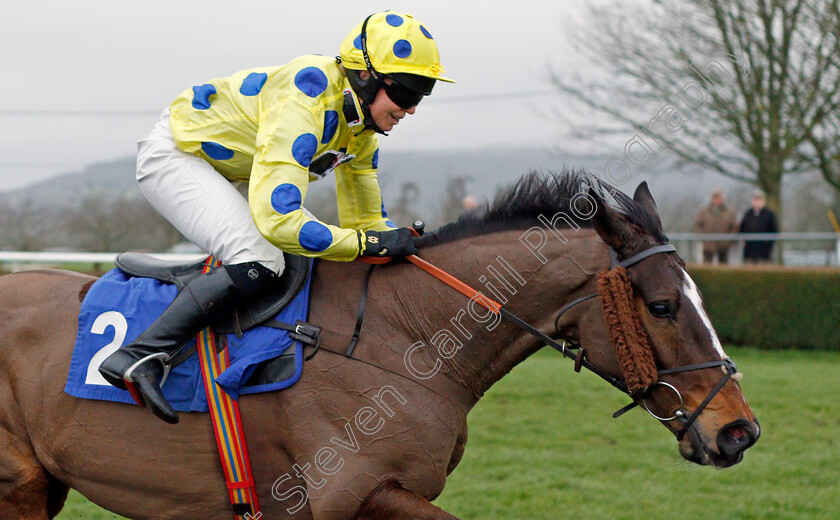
[{"x": 277, "y": 128}]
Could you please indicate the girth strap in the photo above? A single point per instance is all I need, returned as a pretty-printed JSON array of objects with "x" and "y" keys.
[{"x": 361, "y": 315}]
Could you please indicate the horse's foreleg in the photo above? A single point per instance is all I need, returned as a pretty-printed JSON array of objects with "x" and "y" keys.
[
  {"x": 392, "y": 502},
  {"x": 27, "y": 491}
]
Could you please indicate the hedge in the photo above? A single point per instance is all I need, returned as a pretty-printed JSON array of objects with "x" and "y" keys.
[{"x": 773, "y": 307}]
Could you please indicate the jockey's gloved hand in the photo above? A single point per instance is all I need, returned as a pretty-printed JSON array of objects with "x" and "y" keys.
[{"x": 397, "y": 242}]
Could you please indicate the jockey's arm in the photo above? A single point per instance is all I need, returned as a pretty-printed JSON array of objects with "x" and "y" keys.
[
  {"x": 286, "y": 143},
  {"x": 360, "y": 204}
]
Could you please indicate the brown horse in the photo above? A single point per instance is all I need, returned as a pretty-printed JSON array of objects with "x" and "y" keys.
[{"x": 373, "y": 436}]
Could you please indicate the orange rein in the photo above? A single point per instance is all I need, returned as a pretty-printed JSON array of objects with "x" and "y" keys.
[
  {"x": 455, "y": 283},
  {"x": 441, "y": 275}
]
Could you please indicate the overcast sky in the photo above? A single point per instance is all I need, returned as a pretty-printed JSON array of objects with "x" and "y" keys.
[{"x": 116, "y": 55}]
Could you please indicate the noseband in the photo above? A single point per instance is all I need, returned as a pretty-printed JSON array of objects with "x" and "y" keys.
[{"x": 681, "y": 414}]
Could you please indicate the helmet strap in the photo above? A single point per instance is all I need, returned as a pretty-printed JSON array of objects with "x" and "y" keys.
[
  {"x": 367, "y": 89},
  {"x": 365, "y": 54},
  {"x": 373, "y": 84},
  {"x": 370, "y": 124}
]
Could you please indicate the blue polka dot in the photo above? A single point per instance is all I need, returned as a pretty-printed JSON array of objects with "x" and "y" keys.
[
  {"x": 201, "y": 96},
  {"x": 402, "y": 49},
  {"x": 384, "y": 213},
  {"x": 357, "y": 42},
  {"x": 253, "y": 83},
  {"x": 394, "y": 20},
  {"x": 426, "y": 33},
  {"x": 285, "y": 198},
  {"x": 311, "y": 81},
  {"x": 303, "y": 149},
  {"x": 330, "y": 125},
  {"x": 315, "y": 237},
  {"x": 390, "y": 224},
  {"x": 216, "y": 151},
  {"x": 375, "y": 161}
]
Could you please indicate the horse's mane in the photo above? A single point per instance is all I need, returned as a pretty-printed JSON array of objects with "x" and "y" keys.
[{"x": 542, "y": 193}]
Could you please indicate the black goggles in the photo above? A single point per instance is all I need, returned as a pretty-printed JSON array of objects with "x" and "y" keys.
[{"x": 401, "y": 95}]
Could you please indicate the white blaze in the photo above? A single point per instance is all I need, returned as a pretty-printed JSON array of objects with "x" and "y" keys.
[{"x": 693, "y": 294}]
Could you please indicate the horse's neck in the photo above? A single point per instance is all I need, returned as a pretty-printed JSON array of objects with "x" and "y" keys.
[{"x": 474, "y": 347}]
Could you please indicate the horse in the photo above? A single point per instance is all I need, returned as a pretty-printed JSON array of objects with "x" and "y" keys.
[{"x": 374, "y": 435}]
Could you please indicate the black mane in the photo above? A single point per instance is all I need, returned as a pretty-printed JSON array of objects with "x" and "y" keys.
[{"x": 542, "y": 193}]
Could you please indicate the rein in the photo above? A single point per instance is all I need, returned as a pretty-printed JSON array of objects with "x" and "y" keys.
[{"x": 637, "y": 392}]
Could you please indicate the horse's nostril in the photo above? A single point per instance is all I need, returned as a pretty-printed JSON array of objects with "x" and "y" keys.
[
  {"x": 737, "y": 433},
  {"x": 736, "y": 437}
]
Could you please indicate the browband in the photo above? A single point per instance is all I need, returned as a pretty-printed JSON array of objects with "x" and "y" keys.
[{"x": 627, "y": 262}]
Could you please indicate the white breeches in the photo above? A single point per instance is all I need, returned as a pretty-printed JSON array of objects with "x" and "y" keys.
[{"x": 201, "y": 203}]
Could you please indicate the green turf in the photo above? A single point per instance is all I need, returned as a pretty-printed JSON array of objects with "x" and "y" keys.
[
  {"x": 543, "y": 446},
  {"x": 78, "y": 508}
]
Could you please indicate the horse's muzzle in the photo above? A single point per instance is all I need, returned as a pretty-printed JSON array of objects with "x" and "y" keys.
[
  {"x": 734, "y": 438},
  {"x": 732, "y": 441}
]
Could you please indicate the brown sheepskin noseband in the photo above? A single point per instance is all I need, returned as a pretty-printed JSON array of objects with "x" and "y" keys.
[{"x": 628, "y": 337}]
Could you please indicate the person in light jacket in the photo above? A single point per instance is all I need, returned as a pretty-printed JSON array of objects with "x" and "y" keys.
[{"x": 716, "y": 218}]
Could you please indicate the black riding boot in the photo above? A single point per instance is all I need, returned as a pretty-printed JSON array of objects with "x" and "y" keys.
[{"x": 204, "y": 298}]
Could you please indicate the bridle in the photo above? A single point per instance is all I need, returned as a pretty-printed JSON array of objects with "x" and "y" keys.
[
  {"x": 565, "y": 347},
  {"x": 680, "y": 414}
]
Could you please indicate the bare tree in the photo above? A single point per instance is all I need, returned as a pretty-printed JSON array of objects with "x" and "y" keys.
[
  {"x": 748, "y": 88},
  {"x": 810, "y": 202},
  {"x": 456, "y": 191},
  {"x": 23, "y": 225},
  {"x": 104, "y": 222},
  {"x": 402, "y": 211}
]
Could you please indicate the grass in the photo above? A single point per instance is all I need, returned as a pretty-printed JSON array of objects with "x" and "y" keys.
[{"x": 543, "y": 446}]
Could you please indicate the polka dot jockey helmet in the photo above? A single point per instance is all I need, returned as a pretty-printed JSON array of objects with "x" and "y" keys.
[{"x": 395, "y": 45}]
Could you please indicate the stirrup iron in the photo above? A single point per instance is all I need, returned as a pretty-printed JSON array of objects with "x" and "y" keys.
[{"x": 164, "y": 359}]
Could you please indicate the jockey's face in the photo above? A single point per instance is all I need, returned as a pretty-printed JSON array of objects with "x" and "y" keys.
[{"x": 386, "y": 114}]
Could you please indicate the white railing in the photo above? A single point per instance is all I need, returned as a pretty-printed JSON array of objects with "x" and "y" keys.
[
  {"x": 20, "y": 260},
  {"x": 689, "y": 246}
]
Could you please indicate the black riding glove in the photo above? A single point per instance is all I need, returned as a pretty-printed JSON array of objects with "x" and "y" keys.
[{"x": 397, "y": 242}]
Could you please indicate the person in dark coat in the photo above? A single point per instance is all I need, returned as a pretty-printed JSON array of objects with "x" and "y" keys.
[{"x": 758, "y": 219}]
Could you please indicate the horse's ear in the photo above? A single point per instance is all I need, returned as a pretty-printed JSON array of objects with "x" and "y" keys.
[
  {"x": 608, "y": 223},
  {"x": 645, "y": 200}
]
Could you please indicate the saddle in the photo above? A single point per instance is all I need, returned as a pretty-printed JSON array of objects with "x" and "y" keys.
[
  {"x": 259, "y": 311},
  {"x": 281, "y": 292}
]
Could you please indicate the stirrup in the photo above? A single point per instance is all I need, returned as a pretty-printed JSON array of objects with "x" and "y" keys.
[{"x": 164, "y": 359}]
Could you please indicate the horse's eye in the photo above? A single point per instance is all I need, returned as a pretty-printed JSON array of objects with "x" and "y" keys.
[{"x": 660, "y": 309}]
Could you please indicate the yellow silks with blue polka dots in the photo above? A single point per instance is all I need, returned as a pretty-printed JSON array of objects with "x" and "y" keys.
[{"x": 280, "y": 128}]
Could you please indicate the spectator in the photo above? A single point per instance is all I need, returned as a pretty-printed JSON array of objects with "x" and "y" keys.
[
  {"x": 758, "y": 220},
  {"x": 469, "y": 203},
  {"x": 716, "y": 218}
]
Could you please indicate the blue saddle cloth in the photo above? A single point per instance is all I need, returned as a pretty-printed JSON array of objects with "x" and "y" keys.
[{"x": 118, "y": 307}]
